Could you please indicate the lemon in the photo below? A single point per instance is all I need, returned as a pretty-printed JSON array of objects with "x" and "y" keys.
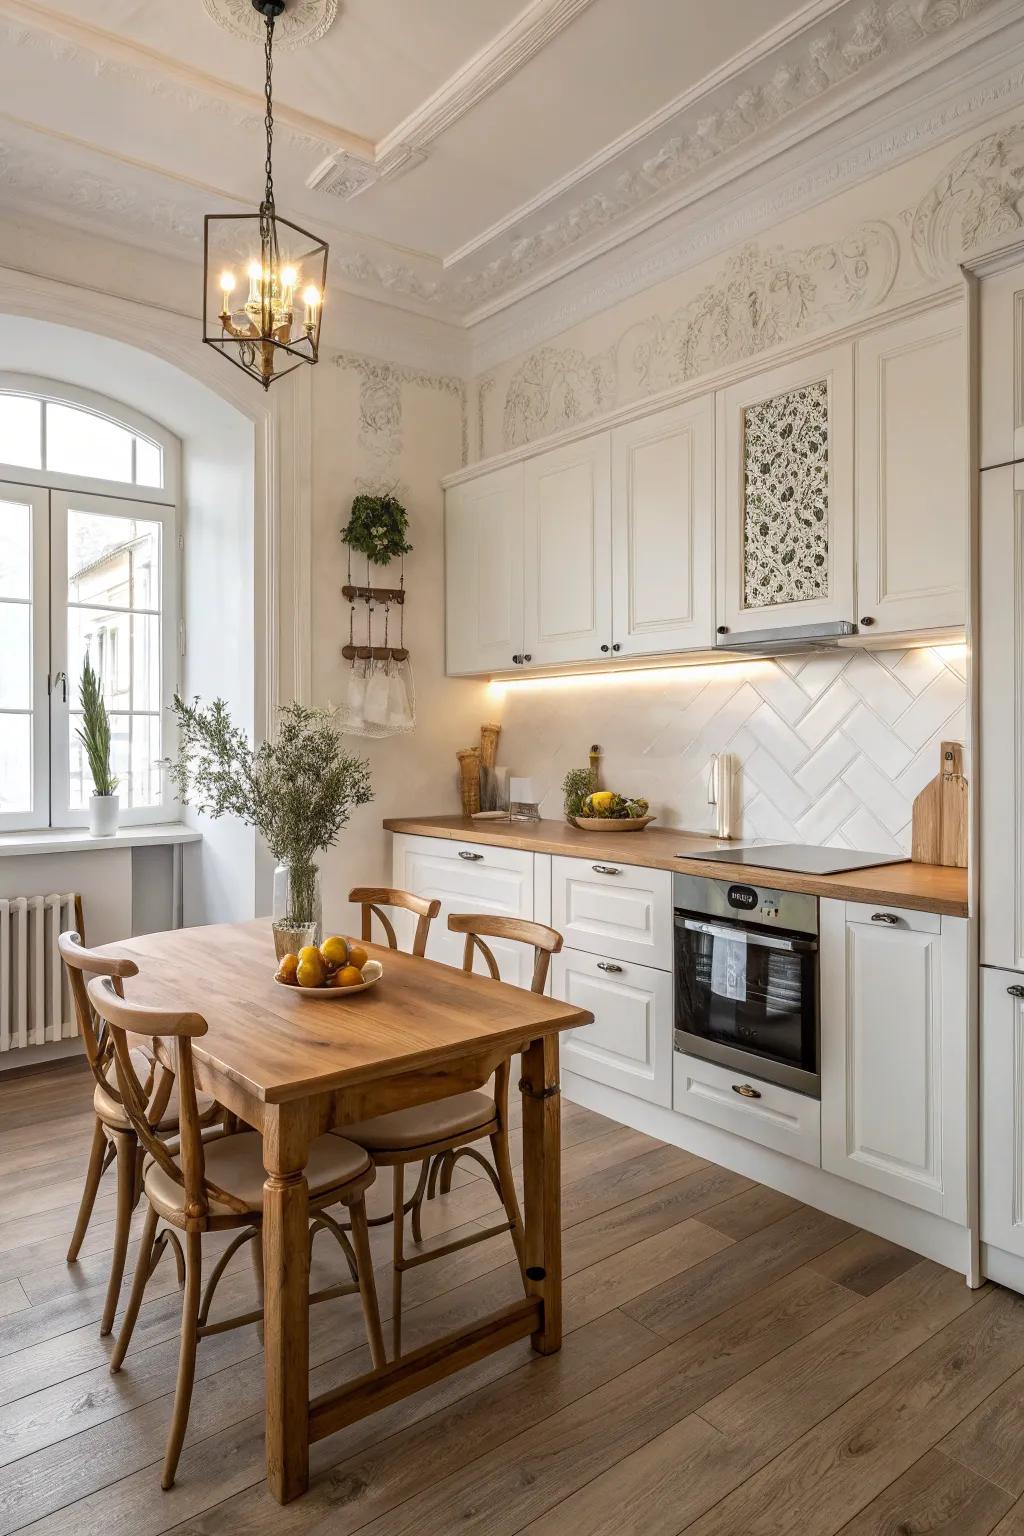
[
  {"x": 334, "y": 952},
  {"x": 600, "y": 800},
  {"x": 310, "y": 969}
]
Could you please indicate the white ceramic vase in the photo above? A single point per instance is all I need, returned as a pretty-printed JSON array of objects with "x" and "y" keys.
[{"x": 103, "y": 813}]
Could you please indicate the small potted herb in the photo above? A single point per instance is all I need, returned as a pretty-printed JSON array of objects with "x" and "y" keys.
[{"x": 104, "y": 803}]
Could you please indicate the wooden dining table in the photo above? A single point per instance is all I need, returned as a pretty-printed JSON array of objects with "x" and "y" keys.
[{"x": 293, "y": 1067}]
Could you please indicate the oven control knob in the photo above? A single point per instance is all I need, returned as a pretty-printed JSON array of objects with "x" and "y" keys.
[{"x": 769, "y": 909}]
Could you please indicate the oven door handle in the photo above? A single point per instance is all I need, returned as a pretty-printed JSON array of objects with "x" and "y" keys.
[{"x": 758, "y": 940}]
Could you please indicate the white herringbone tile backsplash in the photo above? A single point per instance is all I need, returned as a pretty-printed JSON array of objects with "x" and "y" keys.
[{"x": 833, "y": 747}]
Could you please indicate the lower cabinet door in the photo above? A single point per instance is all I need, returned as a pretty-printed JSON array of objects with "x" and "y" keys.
[
  {"x": 1002, "y": 1110},
  {"x": 629, "y": 1044},
  {"x": 776, "y": 1117},
  {"x": 466, "y": 877},
  {"x": 894, "y": 1053}
]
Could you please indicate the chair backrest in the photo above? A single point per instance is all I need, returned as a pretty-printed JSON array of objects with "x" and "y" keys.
[
  {"x": 81, "y": 963},
  {"x": 123, "y": 1018},
  {"x": 478, "y": 926},
  {"x": 373, "y": 898}
]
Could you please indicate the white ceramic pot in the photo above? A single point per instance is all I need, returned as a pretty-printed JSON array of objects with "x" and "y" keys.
[{"x": 103, "y": 813}]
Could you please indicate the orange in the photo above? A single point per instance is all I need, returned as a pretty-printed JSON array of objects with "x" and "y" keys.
[
  {"x": 357, "y": 956},
  {"x": 310, "y": 969},
  {"x": 334, "y": 952},
  {"x": 349, "y": 976},
  {"x": 287, "y": 969}
]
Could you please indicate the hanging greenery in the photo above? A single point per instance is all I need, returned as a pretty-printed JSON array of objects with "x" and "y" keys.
[{"x": 377, "y": 528}]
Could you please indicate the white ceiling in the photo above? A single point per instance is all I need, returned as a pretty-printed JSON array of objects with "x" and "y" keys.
[{"x": 458, "y": 154}]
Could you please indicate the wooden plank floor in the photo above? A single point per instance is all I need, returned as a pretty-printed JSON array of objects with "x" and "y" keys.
[{"x": 735, "y": 1364}]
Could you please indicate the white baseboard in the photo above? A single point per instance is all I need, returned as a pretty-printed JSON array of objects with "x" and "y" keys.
[
  {"x": 921, "y": 1231},
  {"x": 1002, "y": 1267}
]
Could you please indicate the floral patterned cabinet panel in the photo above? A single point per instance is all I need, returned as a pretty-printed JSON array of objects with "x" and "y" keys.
[{"x": 785, "y": 495}]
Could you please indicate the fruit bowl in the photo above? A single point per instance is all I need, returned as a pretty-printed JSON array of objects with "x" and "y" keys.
[
  {"x": 327, "y": 992},
  {"x": 612, "y": 823}
]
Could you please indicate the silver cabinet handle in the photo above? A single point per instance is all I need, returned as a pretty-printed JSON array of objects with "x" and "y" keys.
[
  {"x": 1016, "y": 991},
  {"x": 885, "y": 917},
  {"x": 745, "y": 1091},
  {"x": 605, "y": 869},
  {"x": 473, "y": 857},
  {"x": 607, "y": 965}
]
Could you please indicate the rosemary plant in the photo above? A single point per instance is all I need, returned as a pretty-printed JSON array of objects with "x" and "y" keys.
[
  {"x": 95, "y": 731},
  {"x": 298, "y": 790}
]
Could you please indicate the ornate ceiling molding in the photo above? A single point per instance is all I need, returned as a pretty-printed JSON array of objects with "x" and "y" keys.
[{"x": 304, "y": 22}]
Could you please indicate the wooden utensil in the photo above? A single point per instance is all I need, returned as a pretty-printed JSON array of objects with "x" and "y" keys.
[{"x": 939, "y": 818}]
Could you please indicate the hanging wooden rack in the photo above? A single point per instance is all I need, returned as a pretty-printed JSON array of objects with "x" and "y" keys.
[
  {"x": 375, "y": 594},
  {"x": 374, "y": 652}
]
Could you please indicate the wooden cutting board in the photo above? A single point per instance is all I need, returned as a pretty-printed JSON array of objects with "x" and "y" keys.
[{"x": 939, "y": 824}]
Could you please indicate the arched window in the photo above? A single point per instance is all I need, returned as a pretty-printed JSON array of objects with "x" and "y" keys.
[{"x": 88, "y": 567}]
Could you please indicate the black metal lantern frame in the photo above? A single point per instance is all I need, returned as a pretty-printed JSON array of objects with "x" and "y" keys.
[{"x": 285, "y": 266}]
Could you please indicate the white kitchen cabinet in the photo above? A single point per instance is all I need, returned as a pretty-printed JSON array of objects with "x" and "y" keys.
[
  {"x": 894, "y": 1053},
  {"x": 759, "y": 1111},
  {"x": 484, "y": 572},
  {"x": 1002, "y": 1110},
  {"x": 1001, "y": 664},
  {"x": 663, "y": 530},
  {"x": 1002, "y": 367},
  {"x": 567, "y": 553},
  {"x": 629, "y": 1044},
  {"x": 610, "y": 908},
  {"x": 785, "y": 495},
  {"x": 912, "y": 424},
  {"x": 466, "y": 877}
]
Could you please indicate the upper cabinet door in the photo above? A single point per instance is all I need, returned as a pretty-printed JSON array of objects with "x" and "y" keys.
[
  {"x": 567, "y": 563},
  {"x": 484, "y": 572},
  {"x": 663, "y": 531},
  {"x": 785, "y": 495},
  {"x": 912, "y": 414},
  {"x": 1002, "y": 368}
]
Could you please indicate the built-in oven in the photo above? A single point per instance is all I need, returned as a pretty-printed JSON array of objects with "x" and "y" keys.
[{"x": 746, "y": 979}]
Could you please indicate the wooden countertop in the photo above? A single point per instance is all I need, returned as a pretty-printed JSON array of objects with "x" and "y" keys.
[{"x": 925, "y": 887}]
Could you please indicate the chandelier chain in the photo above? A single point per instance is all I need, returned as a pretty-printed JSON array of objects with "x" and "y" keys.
[{"x": 269, "y": 118}]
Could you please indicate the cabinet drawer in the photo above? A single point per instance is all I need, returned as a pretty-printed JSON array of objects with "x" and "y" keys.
[
  {"x": 907, "y": 920},
  {"x": 785, "y": 1121},
  {"x": 466, "y": 877},
  {"x": 629, "y": 1044},
  {"x": 609, "y": 908}
]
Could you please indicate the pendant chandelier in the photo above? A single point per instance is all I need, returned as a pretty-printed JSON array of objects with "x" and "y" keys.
[{"x": 273, "y": 327}]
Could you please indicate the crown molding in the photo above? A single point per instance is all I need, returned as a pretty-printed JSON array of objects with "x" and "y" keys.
[{"x": 961, "y": 93}]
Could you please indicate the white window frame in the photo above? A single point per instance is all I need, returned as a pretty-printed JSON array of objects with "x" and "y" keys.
[{"x": 48, "y": 492}]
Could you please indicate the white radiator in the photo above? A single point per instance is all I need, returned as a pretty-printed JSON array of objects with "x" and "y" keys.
[{"x": 35, "y": 1000}]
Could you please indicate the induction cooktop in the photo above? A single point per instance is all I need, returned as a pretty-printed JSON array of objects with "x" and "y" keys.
[{"x": 801, "y": 859}]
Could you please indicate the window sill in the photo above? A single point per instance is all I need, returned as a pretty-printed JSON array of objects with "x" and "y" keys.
[{"x": 79, "y": 839}]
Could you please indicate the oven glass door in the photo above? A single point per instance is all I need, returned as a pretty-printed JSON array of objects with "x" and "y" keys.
[{"x": 747, "y": 989}]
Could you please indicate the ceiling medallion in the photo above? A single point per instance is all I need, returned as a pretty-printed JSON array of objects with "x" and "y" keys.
[
  {"x": 304, "y": 22},
  {"x": 271, "y": 327}
]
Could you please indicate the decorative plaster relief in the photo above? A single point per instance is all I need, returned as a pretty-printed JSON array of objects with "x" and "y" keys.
[
  {"x": 304, "y": 22},
  {"x": 977, "y": 200},
  {"x": 763, "y": 298},
  {"x": 380, "y": 411},
  {"x": 785, "y": 502}
]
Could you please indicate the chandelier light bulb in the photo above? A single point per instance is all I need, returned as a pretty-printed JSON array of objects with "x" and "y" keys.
[{"x": 227, "y": 282}]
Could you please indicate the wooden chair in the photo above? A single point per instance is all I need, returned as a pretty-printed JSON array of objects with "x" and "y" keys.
[
  {"x": 215, "y": 1185},
  {"x": 114, "y": 1137},
  {"x": 446, "y": 1128},
  {"x": 373, "y": 898}
]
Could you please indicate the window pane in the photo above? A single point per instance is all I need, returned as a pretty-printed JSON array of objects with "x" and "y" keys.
[
  {"x": 134, "y": 751},
  {"x": 19, "y": 431},
  {"x": 79, "y": 443},
  {"x": 124, "y": 652},
  {"x": 15, "y": 657},
  {"x": 149, "y": 463},
  {"x": 15, "y": 763},
  {"x": 113, "y": 560},
  {"x": 15, "y": 547}
]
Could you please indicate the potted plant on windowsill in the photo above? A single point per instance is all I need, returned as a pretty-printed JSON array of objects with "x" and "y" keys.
[
  {"x": 297, "y": 791},
  {"x": 104, "y": 803}
]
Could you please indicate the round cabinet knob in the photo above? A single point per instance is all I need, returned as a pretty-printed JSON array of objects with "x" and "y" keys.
[
  {"x": 605, "y": 648},
  {"x": 866, "y": 622},
  {"x": 616, "y": 647},
  {"x": 527, "y": 657},
  {"x": 723, "y": 629},
  {"x": 516, "y": 660}
]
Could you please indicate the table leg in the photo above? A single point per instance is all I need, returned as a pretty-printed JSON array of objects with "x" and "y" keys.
[
  {"x": 542, "y": 1176},
  {"x": 286, "y": 1320}
]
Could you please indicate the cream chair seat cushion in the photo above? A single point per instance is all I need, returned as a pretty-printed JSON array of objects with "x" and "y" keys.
[
  {"x": 111, "y": 1111},
  {"x": 423, "y": 1125},
  {"x": 235, "y": 1164}
]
